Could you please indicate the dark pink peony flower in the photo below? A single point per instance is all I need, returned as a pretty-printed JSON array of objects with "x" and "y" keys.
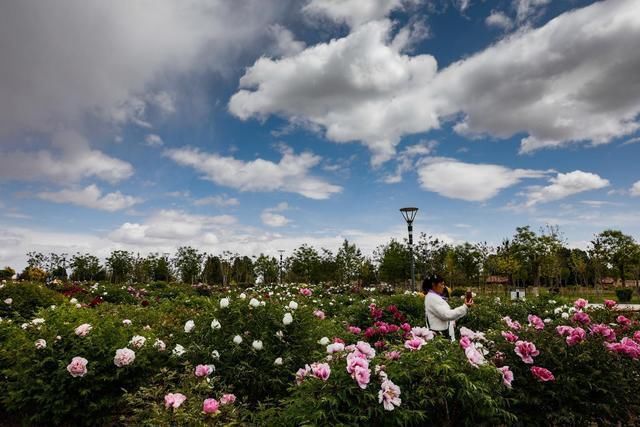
[{"x": 542, "y": 374}]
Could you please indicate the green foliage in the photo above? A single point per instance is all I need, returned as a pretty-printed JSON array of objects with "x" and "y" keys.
[
  {"x": 438, "y": 387},
  {"x": 27, "y": 299}
]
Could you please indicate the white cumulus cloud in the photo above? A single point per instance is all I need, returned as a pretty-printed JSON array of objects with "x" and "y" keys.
[
  {"x": 91, "y": 197},
  {"x": 290, "y": 174},
  {"x": 635, "y": 189},
  {"x": 71, "y": 160},
  {"x": 564, "y": 185},
  {"x": 468, "y": 181}
]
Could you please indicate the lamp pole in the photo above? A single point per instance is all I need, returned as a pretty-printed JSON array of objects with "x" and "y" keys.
[
  {"x": 280, "y": 267},
  {"x": 409, "y": 215}
]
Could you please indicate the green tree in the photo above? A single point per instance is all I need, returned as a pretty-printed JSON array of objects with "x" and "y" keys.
[
  {"x": 188, "y": 263},
  {"x": 84, "y": 267},
  {"x": 267, "y": 268},
  {"x": 302, "y": 264},
  {"x": 618, "y": 249},
  {"x": 394, "y": 262},
  {"x": 7, "y": 273},
  {"x": 120, "y": 265},
  {"x": 349, "y": 262},
  {"x": 212, "y": 271}
]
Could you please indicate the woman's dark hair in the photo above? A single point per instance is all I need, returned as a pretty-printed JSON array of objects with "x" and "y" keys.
[{"x": 430, "y": 281}]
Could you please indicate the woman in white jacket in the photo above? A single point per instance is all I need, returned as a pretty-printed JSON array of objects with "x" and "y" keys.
[{"x": 438, "y": 313}]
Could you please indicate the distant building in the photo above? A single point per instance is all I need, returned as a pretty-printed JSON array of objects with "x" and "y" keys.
[
  {"x": 497, "y": 280},
  {"x": 607, "y": 281}
]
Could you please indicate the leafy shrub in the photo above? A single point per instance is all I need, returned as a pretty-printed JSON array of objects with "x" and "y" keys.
[
  {"x": 27, "y": 298},
  {"x": 438, "y": 387}
]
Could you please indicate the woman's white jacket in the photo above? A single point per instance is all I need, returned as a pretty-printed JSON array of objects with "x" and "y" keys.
[{"x": 438, "y": 313}]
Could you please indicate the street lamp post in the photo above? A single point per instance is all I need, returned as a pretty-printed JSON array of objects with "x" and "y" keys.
[
  {"x": 280, "y": 267},
  {"x": 409, "y": 215}
]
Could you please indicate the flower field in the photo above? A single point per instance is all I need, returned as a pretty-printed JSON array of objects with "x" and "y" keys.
[{"x": 172, "y": 354}]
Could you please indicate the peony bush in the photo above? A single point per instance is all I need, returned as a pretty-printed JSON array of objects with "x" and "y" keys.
[{"x": 168, "y": 354}]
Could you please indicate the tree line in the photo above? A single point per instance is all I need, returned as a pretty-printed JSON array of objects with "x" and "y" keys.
[{"x": 528, "y": 258}]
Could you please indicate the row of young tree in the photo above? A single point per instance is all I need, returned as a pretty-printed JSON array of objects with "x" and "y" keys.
[{"x": 527, "y": 258}]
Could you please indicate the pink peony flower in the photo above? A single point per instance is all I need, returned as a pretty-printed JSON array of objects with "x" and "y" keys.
[
  {"x": 511, "y": 323},
  {"x": 203, "y": 370},
  {"x": 321, "y": 371},
  {"x": 509, "y": 336},
  {"x": 366, "y": 349},
  {"x": 563, "y": 330},
  {"x": 605, "y": 331},
  {"x": 336, "y": 347},
  {"x": 405, "y": 327},
  {"x": 636, "y": 336},
  {"x": 465, "y": 342},
  {"x": 174, "y": 400},
  {"x": 623, "y": 321},
  {"x": 423, "y": 333},
  {"x": 354, "y": 330},
  {"x": 474, "y": 356},
  {"x": 319, "y": 314},
  {"x": 389, "y": 395},
  {"x": 576, "y": 336},
  {"x": 393, "y": 355},
  {"x": 536, "y": 322},
  {"x": 302, "y": 373},
  {"x": 78, "y": 366},
  {"x": 83, "y": 330},
  {"x": 228, "y": 399},
  {"x": 414, "y": 344},
  {"x": 582, "y": 317},
  {"x": 383, "y": 329},
  {"x": 362, "y": 376},
  {"x": 507, "y": 375},
  {"x": 124, "y": 357},
  {"x": 393, "y": 329},
  {"x": 354, "y": 360},
  {"x": 210, "y": 406},
  {"x": 580, "y": 303},
  {"x": 379, "y": 344},
  {"x": 626, "y": 347},
  {"x": 526, "y": 350},
  {"x": 306, "y": 292},
  {"x": 609, "y": 303},
  {"x": 542, "y": 374}
]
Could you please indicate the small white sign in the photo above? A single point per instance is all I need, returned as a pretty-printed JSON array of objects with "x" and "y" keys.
[{"x": 517, "y": 294}]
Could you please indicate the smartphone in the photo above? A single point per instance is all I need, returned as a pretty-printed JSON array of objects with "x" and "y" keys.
[{"x": 469, "y": 296}]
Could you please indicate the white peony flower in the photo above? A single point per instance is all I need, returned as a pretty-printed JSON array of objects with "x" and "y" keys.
[
  {"x": 215, "y": 354},
  {"x": 137, "y": 341},
  {"x": 8, "y": 301},
  {"x": 254, "y": 303},
  {"x": 159, "y": 345},
  {"x": 237, "y": 339},
  {"x": 40, "y": 344},
  {"x": 124, "y": 357},
  {"x": 188, "y": 327},
  {"x": 126, "y": 322},
  {"x": 37, "y": 321},
  {"x": 78, "y": 305},
  {"x": 263, "y": 303},
  {"x": 278, "y": 361},
  {"x": 287, "y": 319},
  {"x": 324, "y": 341},
  {"x": 73, "y": 301},
  {"x": 215, "y": 324},
  {"x": 257, "y": 344},
  {"x": 280, "y": 334},
  {"x": 224, "y": 303},
  {"x": 565, "y": 315},
  {"x": 243, "y": 296},
  {"x": 293, "y": 305},
  {"x": 179, "y": 350}
]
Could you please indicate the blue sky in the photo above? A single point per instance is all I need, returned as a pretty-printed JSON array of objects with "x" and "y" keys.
[{"x": 254, "y": 126}]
